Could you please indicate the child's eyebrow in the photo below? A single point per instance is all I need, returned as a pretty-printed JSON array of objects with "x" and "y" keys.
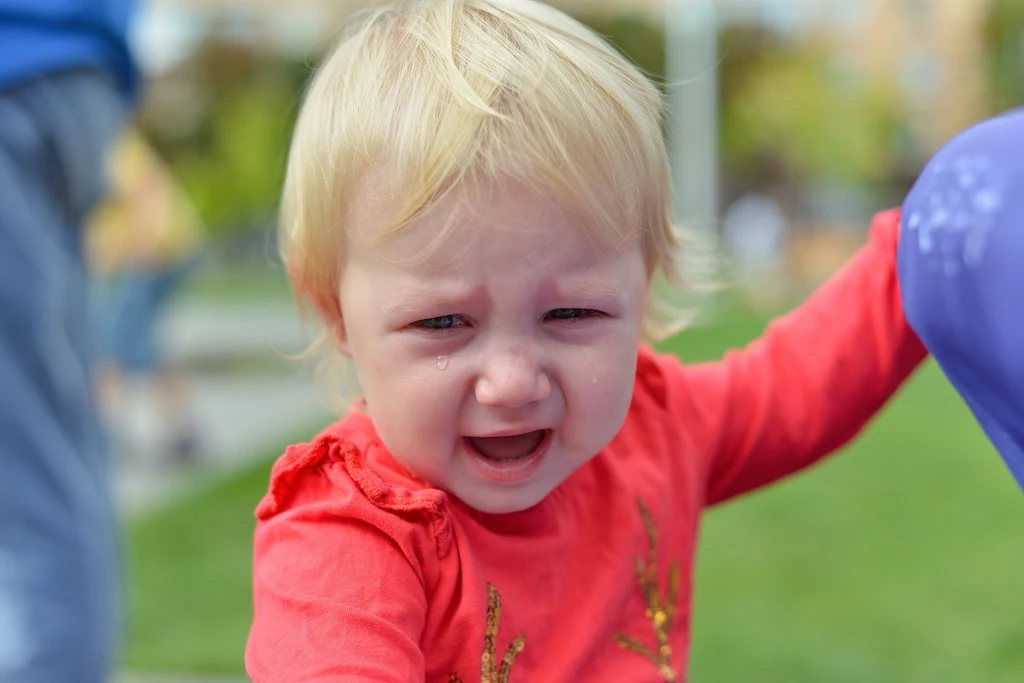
[
  {"x": 588, "y": 288},
  {"x": 455, "y": 294},
  {"x": 414, "y": 297}
]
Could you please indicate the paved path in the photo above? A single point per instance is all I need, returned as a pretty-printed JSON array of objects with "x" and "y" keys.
[
  {"x": 242, "y": 415},
  {"x": 194, "y": 329}
]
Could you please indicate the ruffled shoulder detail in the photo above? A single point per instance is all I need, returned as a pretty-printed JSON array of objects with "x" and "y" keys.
[{"x": 330, "y": 453}]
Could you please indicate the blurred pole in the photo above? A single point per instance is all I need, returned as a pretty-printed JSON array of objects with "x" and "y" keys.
[{"x": 691, "y": 55}]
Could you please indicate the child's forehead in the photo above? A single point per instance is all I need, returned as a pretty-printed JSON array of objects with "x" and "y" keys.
[{"x": 472, "y": 217}]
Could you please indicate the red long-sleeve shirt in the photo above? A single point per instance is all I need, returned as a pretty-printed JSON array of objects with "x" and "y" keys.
[{"x": 365, "y": 573}]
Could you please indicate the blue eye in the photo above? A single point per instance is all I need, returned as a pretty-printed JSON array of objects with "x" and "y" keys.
[
  {"x": 573, "y": 314},
  {"x": 444, "y": 322}
]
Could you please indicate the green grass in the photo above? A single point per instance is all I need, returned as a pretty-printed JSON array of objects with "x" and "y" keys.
[
  {"x": 901, "y": 560},
  {"x": 210, "y": 285},
  {"x": 189, "y": 579}
]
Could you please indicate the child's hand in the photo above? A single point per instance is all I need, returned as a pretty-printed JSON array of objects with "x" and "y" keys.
[{"x": 961, "y": 273}]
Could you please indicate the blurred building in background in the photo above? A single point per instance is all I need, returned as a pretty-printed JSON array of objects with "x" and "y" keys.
[{"x": 933, "y": 50}]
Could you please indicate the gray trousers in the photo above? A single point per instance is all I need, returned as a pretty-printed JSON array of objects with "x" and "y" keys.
[{"x": 59, "y": 562}]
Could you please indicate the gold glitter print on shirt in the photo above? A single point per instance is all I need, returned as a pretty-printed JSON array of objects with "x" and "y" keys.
[
  {"x": 489, "y": 661},
  {"x": 660, "y": 609}
]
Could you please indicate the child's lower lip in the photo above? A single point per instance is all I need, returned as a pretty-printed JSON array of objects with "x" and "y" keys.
[{"x": 510, "y": 470}]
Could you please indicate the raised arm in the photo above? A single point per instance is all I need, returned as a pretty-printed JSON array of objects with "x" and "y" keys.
[{"x": 811, "y": 382}]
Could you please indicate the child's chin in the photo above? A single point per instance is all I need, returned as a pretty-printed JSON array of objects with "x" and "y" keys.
[{"x": 506, "y": 502}]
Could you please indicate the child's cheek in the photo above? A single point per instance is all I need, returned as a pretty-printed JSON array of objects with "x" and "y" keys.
[{"x": 602, "y": 380}]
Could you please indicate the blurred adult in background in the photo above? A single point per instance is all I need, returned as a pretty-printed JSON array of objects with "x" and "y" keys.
[
  {"x": 143, "y": 242},
  {"x": 66, "y": 82}
]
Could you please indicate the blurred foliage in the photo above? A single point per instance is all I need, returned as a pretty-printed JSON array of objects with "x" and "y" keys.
[
  {"x": 636, "y": 37},
  {"x": 231, "y": 160},
  {"x": 234, "y": 181},
  {"x": 786, "y": 108},
  {"x": 793, "y": 102},
  {"x": 780, "y": 101},
  {"x": 1004, "y": 34}
]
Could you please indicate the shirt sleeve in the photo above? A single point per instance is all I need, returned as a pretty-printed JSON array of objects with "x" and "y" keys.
[
  {"x": 337, "y": 595},
  {"x": 811, "y": 382}
]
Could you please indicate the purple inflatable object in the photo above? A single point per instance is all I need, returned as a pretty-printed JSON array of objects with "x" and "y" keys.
[{"x": 961, "y": 273}]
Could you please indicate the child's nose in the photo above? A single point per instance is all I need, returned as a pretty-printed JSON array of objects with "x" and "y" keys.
[{"x": 512, "y": 379}]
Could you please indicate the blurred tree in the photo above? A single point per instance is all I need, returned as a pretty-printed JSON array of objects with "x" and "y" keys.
[
  {"x": 235, "y": 177},
  {"x": 639, "y": 39},
  {"x": 231, "y": 160},
  {"x": 789, "y": 113},
  {"x": 1004, "y": 34},
  {"x": 787, "y": 104},
  {"x": 743, "y": 47}
]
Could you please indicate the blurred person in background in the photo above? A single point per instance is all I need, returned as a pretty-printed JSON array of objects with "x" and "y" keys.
[
  {"x": 66, "y": 82},
  {"x": 755, "y": 231},
  {"x": 960, "y": 272},
  {"x": 143, "y": 242}
]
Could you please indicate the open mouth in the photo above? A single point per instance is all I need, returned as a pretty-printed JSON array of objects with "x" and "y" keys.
[
  {"x": 508, "y": 449},
  {"x": 509, "y": 459}
]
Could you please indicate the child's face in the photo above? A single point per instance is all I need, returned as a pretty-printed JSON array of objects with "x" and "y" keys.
[{"x": 500, "y": 360}]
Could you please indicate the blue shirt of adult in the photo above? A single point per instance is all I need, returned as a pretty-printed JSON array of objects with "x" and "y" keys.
[{"x": 38, "y": 37}]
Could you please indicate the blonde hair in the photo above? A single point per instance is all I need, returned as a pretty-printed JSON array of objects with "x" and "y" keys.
[{"x": 440, "y": 93}]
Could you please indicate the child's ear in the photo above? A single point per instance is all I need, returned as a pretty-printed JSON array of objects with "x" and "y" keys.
[
  {"x": 341, "y": 338},
  {"x": 329, "y": 309}
]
